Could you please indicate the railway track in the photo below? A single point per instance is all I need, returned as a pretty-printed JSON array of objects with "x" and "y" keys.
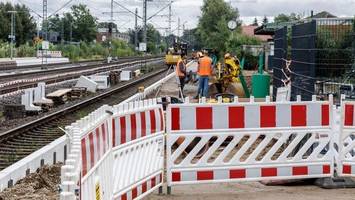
[
  {"x": 5, "y": 68},
  {"x": 24, "y": 140},
  {"x": 67, "y": 74}
]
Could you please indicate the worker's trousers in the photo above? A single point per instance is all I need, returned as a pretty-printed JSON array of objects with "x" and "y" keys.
[
  {"x": 203, "y": 86},
  {"x": 182, "y": 85}
]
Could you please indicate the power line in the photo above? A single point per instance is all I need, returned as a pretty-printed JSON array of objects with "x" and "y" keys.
[
  {"x": 20, "y": 1},
  {"x": 62, "y": 7}
]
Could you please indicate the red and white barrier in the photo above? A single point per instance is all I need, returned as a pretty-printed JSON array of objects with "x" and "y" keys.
[
  {"x": 136, "y": 123},
  {"x": 312, "y": 114},
  {"x": 346, "y": 141},
  {"x": 89, "y": 157},
  {"x": 138, "y": 149},
  {"x": 142, "y": 189},
  {"x": 94, "y": 146},
  {"x": 256, "y": 173},
  {"x": 248, "y": 141},
  {"x": 116, "y": 153}
]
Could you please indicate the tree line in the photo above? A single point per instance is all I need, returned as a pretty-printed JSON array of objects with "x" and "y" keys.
[
  {"x": 25, "y": 24},
  {"x": 77, "y": 25}
]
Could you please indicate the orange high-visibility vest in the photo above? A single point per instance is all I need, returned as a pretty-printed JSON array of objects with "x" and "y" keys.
[
  {"x": 178, "y": 71},
  {"x": 205, "y": 66}
]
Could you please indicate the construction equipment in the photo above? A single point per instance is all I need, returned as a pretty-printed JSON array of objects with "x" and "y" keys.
[
  {"x": 174, "y": 54},
  {"x": 230, "y": 78}
]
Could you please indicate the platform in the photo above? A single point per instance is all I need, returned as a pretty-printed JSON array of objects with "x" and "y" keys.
[
  {"x": 34, "y": 61},
  {"x": 170, "y": 88}
]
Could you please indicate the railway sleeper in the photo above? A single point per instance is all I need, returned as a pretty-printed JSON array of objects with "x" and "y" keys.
[
  {"x": 18, "y": 153},
  {"x": 44, "y": 133},
  {"x": 34, "y": 139},
  {"x": 17, "y": 144},
  {"x": 45, "y": 136},
  {"x": 4, "y": 150}
]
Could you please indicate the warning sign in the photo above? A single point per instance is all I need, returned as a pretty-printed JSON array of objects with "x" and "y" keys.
[{"x": 97, "y": 189}]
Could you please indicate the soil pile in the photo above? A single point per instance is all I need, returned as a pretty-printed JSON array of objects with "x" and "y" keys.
[{"x": 42, "y": 185}]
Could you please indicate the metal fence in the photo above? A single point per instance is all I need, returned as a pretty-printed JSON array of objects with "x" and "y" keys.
[
  {"x": 303, "y": 56},
  {"x": 321, "y": 50},
  {"x": 280, "y": 53}
]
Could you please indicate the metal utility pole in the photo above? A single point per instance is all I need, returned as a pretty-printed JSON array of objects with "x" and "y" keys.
[
  {"x": 71, "y": 32},
  {"x": 12, "y": 36},
  {"x": 170, "y": 14},
  {"x": 111, "y": 11},
  {"x": 145, "y": 21},
  {"x": 44, "y": 22},
  {"x": 178, "y": 27},
  {"x": 44, "y": 29},
  {"x": 110, "y": 31},
  {"x": 62, "y": 41},
  {"x": 136, "y": 30}
]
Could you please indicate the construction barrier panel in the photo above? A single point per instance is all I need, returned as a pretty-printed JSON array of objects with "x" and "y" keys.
[
  {"x": 346, "y": 140},
  {"x": 138, "y": 149},
  {"x": 89, "y": 157},
  {"x": 96, "y": 160},
  {"x": 115, "y": 153},
  {"x": 209, "y": 143}
]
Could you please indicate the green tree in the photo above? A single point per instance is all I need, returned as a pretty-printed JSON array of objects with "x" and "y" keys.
[
  {"x": 265, "y": 20},
  {"x": 84, "y": 24},
  {"x": 106, "y": 25},
  {"x": 212, "y": 26},
  {"x": 286, "y": 18},
  {"x": 131, "y": 33},
  {"x": 154, "y": 38},
  {"x": 55, "y": 23},
  {"x": 255, "y": 23},
  {"x": 192, "y": 38},
  {"x": 25, "y": 24},
  {"x": 68, "y": 21}
]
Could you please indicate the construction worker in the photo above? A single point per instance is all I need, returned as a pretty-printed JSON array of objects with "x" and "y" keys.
[
  {"x": 204, "y": 71},
  {"x": 181, "y": 72}
]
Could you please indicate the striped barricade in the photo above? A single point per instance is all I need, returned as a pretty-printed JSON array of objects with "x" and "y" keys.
[
  {"x": 89, "y": 158},
  {"x": 248, "y": 141},
  {"x": 347, "y": 140},
  {"x": 95, "y": 156},
  {"x": 138, "y": 149}
]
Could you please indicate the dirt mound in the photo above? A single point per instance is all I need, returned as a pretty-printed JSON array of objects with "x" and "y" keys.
[{"x": 42, "y": 185}]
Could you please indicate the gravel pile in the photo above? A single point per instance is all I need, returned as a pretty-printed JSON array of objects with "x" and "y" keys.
[{"x": 43, "y": 184}]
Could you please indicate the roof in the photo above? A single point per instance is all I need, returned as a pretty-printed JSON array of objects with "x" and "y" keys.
[
  {"x": 249, "y": 31},
  {"x": 324, "y": 14},
  {"x": 269, "y": 28}
]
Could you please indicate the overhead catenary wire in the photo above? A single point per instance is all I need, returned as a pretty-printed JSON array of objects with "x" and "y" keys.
[
  {"x": 33, "y": 11},
  {"x": 62, "y": 7}
]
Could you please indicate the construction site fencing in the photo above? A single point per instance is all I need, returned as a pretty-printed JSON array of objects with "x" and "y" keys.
[
  {"x": 118, "y": 152},
  {"x": 346, "y": 140},
  {"x": 115, "y": 153},
  {"x": 137, "y": 148},
  {"x": 280, "y": 53},
  {"x": 88, "y": 155},
  {"x": 209, "y": 143},
  {"x": 321, "y": 50}
]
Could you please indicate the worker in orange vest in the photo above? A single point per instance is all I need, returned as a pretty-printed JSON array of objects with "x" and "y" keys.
[
  {"x": 204, "y": 70},
  {"x": 181, "y": 72}
]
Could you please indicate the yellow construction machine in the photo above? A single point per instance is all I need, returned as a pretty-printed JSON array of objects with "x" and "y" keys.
[
  {"x": 174, "y": 54},
  {"x": 229, "y": 77}
]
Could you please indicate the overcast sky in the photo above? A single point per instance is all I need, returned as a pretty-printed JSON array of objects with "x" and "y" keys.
[{"x": 189, "y": 10}]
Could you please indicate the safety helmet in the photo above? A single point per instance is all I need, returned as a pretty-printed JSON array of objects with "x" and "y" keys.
[
  {"x": 199, "y": 54},
  {"x": 227, "y": 55}
]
